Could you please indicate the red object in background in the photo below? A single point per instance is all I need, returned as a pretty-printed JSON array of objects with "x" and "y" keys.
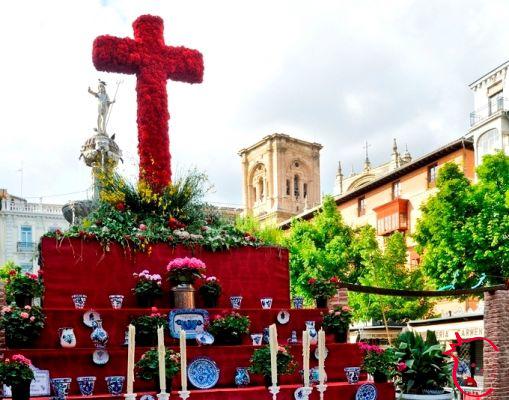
[{"x": 154, "y": 63}]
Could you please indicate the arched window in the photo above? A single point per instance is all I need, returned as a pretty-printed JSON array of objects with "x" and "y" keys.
[
  {"x": 305, "y": 190},
  {"x": 260, "y": 188},
  {"x": 488, "y": 143},
  {"x": 296, "y": 191}
]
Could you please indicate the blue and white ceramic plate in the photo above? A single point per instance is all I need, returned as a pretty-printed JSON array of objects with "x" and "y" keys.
[
  {"x": 326, "y": 353},
  {"x": 205, "y": 338},
  {"x": 89, "y": 317},
  {"x": 191, "y": 320},
  {"x": 203, "y": 373},
  {"x": 366, "y": 391},
  {"x": 283, "y": 317},
  {"x": 147, "y": 397},
  {"x": 100, "y": 356},
  {"x": 299, "y": 393}
]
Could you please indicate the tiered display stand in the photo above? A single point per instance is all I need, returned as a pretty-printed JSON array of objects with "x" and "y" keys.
[{"x": 74, "y": 266}]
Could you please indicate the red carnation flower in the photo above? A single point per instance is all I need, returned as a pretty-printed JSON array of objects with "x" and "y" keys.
[
  {"x": 334, "y": 279},
  {"x": 120, "y": 206},
  {"x": 312, "y": 281},
  {"x": 402, "y": 367}
]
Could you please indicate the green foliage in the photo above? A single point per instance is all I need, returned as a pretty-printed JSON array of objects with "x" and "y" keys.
[
  {"x": 269, "y": 234},
  {"x": 260, "y": 361},
  {"x": 148, "y": 285},
  {"x": 16, "y": 371},
  {"x": 211, "y": 288},
  {"x": 8, "y": 269},
  {"x": 337, "y": 320},
  {"x": 377, "y": 360},
  {"x": 464, "y": 228},
  {"x": 388, "y": 269},
  {"x": 230, "y": 327},
  {"x": 146, "y": 325},
  {"x": 22, "y": 324},
  {"x": 323, "y": 248},
  {"x": 147, "y": 368},
  {"x": 24, "y": 284},
  {"x": 323, "y": 287},
  {"x": 421, "y": 363}
]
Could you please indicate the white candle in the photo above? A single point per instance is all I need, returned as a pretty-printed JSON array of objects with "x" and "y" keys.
[
  {"x": 161, "y": 352},
  {"x": 183, "y": 360},
  {"x": 130, "y": 359},
  {"x": 305, "y": 356},
  {"x": 321, "y": 356},
  {"x": 273, "y": 353}
]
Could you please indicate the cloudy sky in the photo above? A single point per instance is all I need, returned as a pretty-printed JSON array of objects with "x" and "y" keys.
[{"x": 334, "y": 72}]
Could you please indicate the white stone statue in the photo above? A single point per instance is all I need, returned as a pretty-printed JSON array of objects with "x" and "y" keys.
[{"x": 103, "y": 107}]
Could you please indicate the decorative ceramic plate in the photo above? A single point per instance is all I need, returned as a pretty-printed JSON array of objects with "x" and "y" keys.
[
  {"x": 203, "y": 373},
  {"x": 366, "y": 391},
  {"x": 283, "y": 317},
  {"x": 100, "y": 356},
  {"x": 299, "y": 393},
  {"x": 191, "y": 320},
  {"x": 326, "y": 353},
  {"x": 90, "y": 316},
  {"x": 205, "y": 338},
  {"x": 147, "y": 397}
]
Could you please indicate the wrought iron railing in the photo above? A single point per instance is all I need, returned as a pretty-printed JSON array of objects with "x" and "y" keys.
[
  {"x": 25, "y": 247},
  {"x": 498, "y": 104}
]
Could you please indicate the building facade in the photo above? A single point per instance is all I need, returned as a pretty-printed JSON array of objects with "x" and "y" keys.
[
  {"x": 21, "y": 226},
  {"x": 281, "y": 177}
]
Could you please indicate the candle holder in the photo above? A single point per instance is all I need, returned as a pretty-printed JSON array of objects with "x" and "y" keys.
[
  {"x": 321, "y": 388},
  {"x": 274, "y": 390},
  {"x": 130, "y": 396},
  {"x": 184, "y": 394},
  {"x": 163, "y": 396}
]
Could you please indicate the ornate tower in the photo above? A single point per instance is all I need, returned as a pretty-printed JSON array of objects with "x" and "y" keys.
[{"x": 281, "y": 177}]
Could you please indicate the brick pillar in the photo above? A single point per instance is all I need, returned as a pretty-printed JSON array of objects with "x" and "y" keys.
[{"x": 496, "y": 328}]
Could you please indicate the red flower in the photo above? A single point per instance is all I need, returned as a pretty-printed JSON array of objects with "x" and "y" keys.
[
  {"x": 174, "y": 223},
  {"x": 401, "y": 367},
  {"x": 334, "y": 279},
  {"x": 143, "y": 227},
  {"x": 120, "y": 206},
  {"x": 312, "y": 281},
  {"x": 13, "y": 272}
]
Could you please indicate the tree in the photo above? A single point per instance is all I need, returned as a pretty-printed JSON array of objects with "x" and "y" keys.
[
  {"x": 464, "y": 228},
  {"x": 268, "y": 234},
  {"x": 388, "y": 269}
]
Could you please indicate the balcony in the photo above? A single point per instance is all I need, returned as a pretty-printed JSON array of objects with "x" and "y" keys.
[
  {"x": 392, "y": 217},
  {"x": 493, "y": 106},
  {"x": 26, "y": 247}
]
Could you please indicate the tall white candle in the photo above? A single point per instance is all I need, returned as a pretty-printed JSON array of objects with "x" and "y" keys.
[
  {"x": 183, "y": 360},
  {"x": 305, "y": 356},
  {"x": 321, "y": 356},
  {"x": 273, "y": 353},
  {"x": 130, "y": 359},
  {"x": 161, "y": 352}
]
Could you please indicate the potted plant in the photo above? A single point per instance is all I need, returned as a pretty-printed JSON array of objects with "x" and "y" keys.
[
  {"x": 147, "y": 288},
  {"x": 16, "y": 373},
  {"x": 146, "y": 327},
  {"x": 183, "y": 272},
  {"x": 22, "y": 288},
  {"x": 422, "y": 370},
  {"x": 147, "y": 368},
  {"x": 379, "y": 363},
  {"x": 336, "y": 322},
  {"x": 229, "y": 328},
  {"x": 260, "y": 363},
  {"x": 210, "y": 291},
  {"x": 21, "y": 324},
  {"x": 322, "y": 290}
]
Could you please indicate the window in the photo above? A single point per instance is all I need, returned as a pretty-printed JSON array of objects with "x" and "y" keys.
[
  {"x": 396, "y": 190},
  {"x": 361, "y": 206},
  {"x": 26, "y": 234},
  {"x": 296, "y": 191},
  {"x": 288, "y": 187},
  {"x": 432, "y": 174},
  {"x": 305, "y": 190},
  {"x": 495, "y": 102},
  {"x": 487, "y": 143}
]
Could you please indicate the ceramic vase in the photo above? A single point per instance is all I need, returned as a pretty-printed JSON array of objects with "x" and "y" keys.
[
  {"x": 236, "y": 301},
  {"x": 99, "y": 336},
  {"x": 116, "y": 301},
  {"x": 183, "y": 296},
  {"x": 115, "y": 384},
  {"x": 313, "y": 334},
  {"x": 79, "y": 301},
  {"x": 266, "y": 336},
  {"x": 61, "y": 387},
  {"x": 352, "y": 374},
  {"x": 242, "y": 377},
  {"x": 67, "y": 338},
  {"x": 266, "y": 303},
  {"x": 257, "y": 339},
  {"x": 298, "y": 302},
  {"x": 86, "y": 385},
  {"x": 293, "y": 338}
]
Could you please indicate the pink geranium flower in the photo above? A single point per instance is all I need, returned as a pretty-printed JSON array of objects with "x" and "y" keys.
[
  {"x": 24, "y": 315},
  {"x": 401, "y": 367}
]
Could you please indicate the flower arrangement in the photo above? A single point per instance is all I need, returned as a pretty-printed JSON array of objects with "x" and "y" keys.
[
  {"x": 210, "y": 291},
  {"x": 229, "y": 328},
  {"x": 22, "y": 324},
  {"x": 337, "y": 321},
  {"x": 323, "y": 289},
  {"x": 16, "y": 373},
  {"x": 147, "y": 288},
  {"x": 260, "y": 361},
  {"x": 185, "y": 270},
  {"x": 378, "y": 362},
  {"x": 23, "y": 287},
  {"x": 422, "y": 367},
  {"x": 146, "y": 326},
  {"x": 147, "y": 368}
]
